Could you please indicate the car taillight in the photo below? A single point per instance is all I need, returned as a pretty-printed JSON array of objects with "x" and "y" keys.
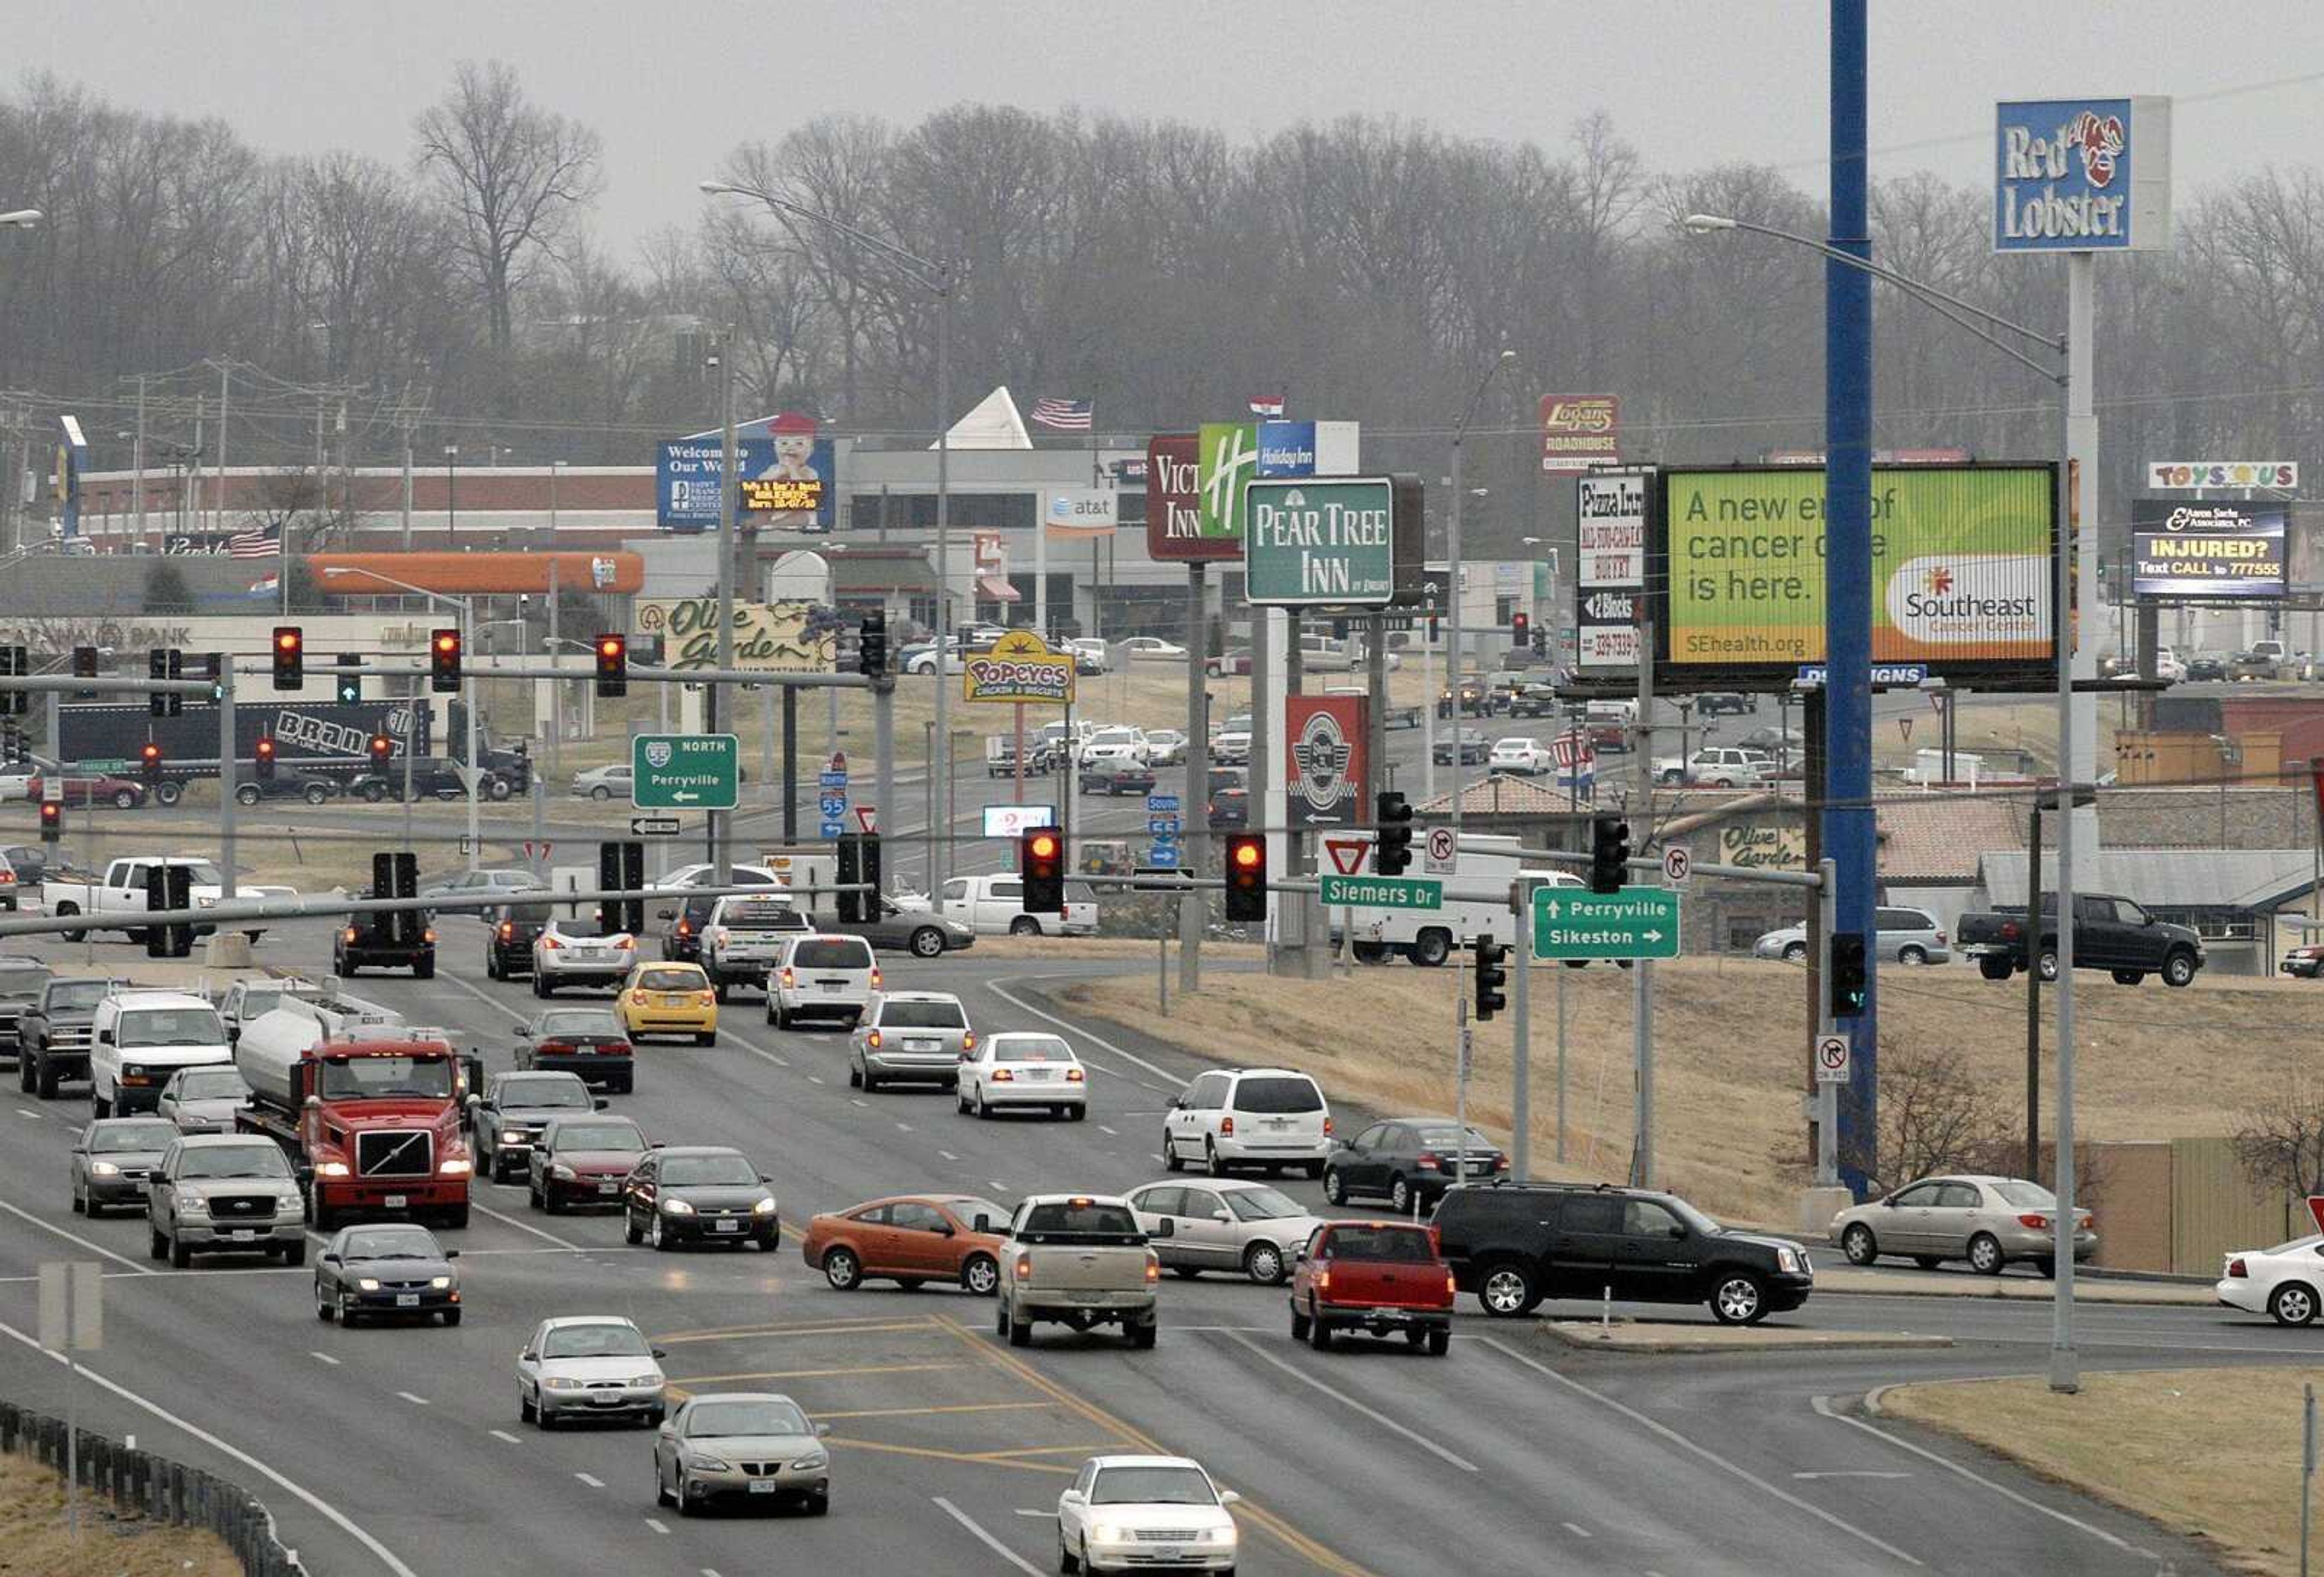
[
  {"x": 968, "y": 1041},
  {"x": 1003, "y": 1076},
  {"x": 685, "y": 929},
  {"x": 1427, "y": 1162},
  {"x": 552, "y": 943},
  {"x": 350, "y": 934},
  {"x": 1226, "y": 1128},
  {"x": 875, "y": 980},
  {"x": 637, "y": 999},
  {"x": 1449, "y": 1290},
  {"x": 705, "y": 997},
  {"x": 718, "y": 937},
  {"x": 507, "y": 930},
  {"x": 625, "y": 943},
  {"x": 556, "y": 1048},
  {"x": 1153, "y": 1269},
  {"x": 1322, "y": 1278},
  {"x": 429, "y": 937},
  {"x": 1941, "y": 939},
  {"x": 2235, "y": 1268},
  {"x": 872, "y": 1039},
  {"x": 1500, "y": 1163},
  {"x": 788, "y": 979},
  {"x": 1073, "y": 1076},
  {"x": 1024, "y": 1266},
  {"x": 1327, "y": 1128},
  {"x": 2033, "y": 1220}
]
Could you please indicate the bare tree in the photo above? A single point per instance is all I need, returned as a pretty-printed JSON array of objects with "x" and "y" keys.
[
  {"x": 1935, "y": 1114},
  {"x": 2281, "y": 1144},
  {"x": 515, "y": 174}
]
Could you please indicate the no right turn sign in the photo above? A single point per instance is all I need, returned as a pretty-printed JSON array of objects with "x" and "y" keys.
[{"x": 1831, "y": 1060}]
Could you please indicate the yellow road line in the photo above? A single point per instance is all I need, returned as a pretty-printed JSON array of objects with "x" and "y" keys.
[
  {"x": 784, "y": 1374},
  {"x": 949, "y": 1456},
  {"x": 843, "y": 1329},
  {"x": 921, "y": 1412},
  {"x": 1025, "y": 1451}
]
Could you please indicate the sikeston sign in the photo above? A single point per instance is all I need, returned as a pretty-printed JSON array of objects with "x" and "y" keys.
[{"x": 1637, "y": 922}]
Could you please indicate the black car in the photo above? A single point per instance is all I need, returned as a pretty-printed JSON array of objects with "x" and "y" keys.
[
  {"x": 2206, "y": 668},
  {"x": 508, "y": 939},
  {"x": 286, "y": 783},
  {"x": 1407, "y": 1161},
  {"x": 1117, "y": 778},
  {"x": 700, "y": 1194},
  {"x": 402, "y": 940},
  {"x": 1474, "y": 748},
  {"x": 503, "y": 1121},
  {"x": 390, "y": 1268},
  {"x": 432, "y": 778},
  {"x": 20, "y": 982},
  {"x": 1513, "y": 1244},
  {"x": 587, "y": 1041},
  {"x": 1229, "y": 799},
  {"x": 681, "y": 929},
  {"x": 1734, "y": 703}
]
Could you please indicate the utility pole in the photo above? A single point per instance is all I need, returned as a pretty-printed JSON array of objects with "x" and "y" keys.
[
  {"x": 729, "y": 496},
  {"x": 227, "y": 747},
  {"x": 137, "y": 486},
  {"x": 1642, "y": 972},
  {"x": 225, "y": 372},
  {"x": 1521, "y": 1035},
  {"x": 407, "y": 483},
  {"x": 1193, "y": 812}
]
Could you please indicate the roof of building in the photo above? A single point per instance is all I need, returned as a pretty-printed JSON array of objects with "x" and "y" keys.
[
  {"x": 1942, "y": 837},
  {"x": 2243, "y": 878},
  {"x": 1500, "y": 794}
]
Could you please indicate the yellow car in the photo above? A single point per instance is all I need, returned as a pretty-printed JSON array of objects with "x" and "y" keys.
[{"x": 668, "y": 999}]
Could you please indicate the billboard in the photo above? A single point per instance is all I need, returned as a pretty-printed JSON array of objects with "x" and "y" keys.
[
  {"x": 1961, "y": 573},
  {"x": 2082, "y": 175},
  {"x": 1325, "y": 764},
  {"x": 776, "y": 638},
  {"x": 1019, "y": 667},
  {"x": 1580, "y": 430},
  {"x": 1611, "y": 571},
  {"x": 786, "y": 483},
  {"x": 1079, "y": 512},
  {"x": 2271, "y": 473},
  {"x": 1307, "y": 449},
  {"x": 2202, "y": 550}
]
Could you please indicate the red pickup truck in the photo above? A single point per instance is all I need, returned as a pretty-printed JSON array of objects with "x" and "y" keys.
[{"x": 1374, "y": 1276}]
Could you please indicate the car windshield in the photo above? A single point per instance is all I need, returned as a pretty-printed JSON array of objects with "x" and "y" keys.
[
  {"x": 831, "y": 952},
  {"x": 1402, "y": 1245},
  {"x": 580, "y": 1021},
  {"x": 1262, "y": 1204},
  {"x": 708, "y": 1172},
  {"x": 584, "y": 929},
  {"x": 257, "y": 1000},
  {"x": 599, "y": 1136},
  {"x": 391, "y": 1244},
  {"x": 202, "y": 873},
  {"x": 23, "y": 985},
  {"x": 770, "y": 1416},
  {"x": 358, "y": 1078},
  {"x": 147, "y": 1134},
  {"x": 1278, "y": 1094},
  {"x": 922, "y": 1016},
  {"x": 527, "y": 914},
  {"x": 758, "y": 914},
  {"x": 211, "y": 1084},
  {"x": 594, "y": 1342},
  {"x": 170, "y": 1026},
  {"x": 551, "y": 1090},
  {"x": 1078, "y": 1220},
  {"x": 1693, "y": 1217},
  {"x": 1030, "y": 1048},
  {"x": 2026, "y": 1196},
  {"x": 78, "y": 993},
  {"x": 1152, "y": 1486},
  {"x": 969, "y": 1208},
  {"x": 1446, "y": 1136},
  {"x": 260, "y": 1160},
  {"x": 672, "y": 979}
]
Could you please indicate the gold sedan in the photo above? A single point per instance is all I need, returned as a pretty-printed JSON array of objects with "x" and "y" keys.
[{"x": 668, "y": 999}]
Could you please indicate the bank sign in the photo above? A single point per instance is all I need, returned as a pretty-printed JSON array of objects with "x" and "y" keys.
[{"x": 2082, "y": 175}]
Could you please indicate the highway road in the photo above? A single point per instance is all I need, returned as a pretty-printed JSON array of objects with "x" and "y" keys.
[{"x": 399, "y": 1450}]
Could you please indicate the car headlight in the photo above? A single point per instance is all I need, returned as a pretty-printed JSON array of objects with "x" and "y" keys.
[
  {"x": 764, "y": 1207},
  {"x": 514, "y": 1137},
  {"x": 1219, "y": 1535},
  {"x": 191, "y": 1204},
  {"x": 646, "y": 1380},
  {"x": 561, "y": 1172},
  {"x": 103, "y": 1169},
  {"x": 289, "y": 1199},
  {"x": 558, "y": 1382},
  {"x": 714, "y": 1464},
  {"x": 441, "y": 1283},
  {"x": 366, "y": 1284},
  {"x": 1787, "y": 1260},
  {"x": 332, "y": 1169},
  {"x": 813, "y": 1460},
  {"x": 458, "y": 1166},
  {"x": 677, "y": 1207},
  {"x": 1108, "y": 1533}
]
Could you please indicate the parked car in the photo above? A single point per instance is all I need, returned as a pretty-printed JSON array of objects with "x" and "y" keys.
[
  {"x": 1989, "y": 1221},
  {"x": 1382, "y": 1277},
  {"x": 1152, "y": 649},
  {"x": 503, "y": 1119},
  {"x": 2110, "y": 933},
  {"x": 1409, "y": 1161},
  {"x": 2206, "y": 665},
  {"x": 1113, "y": 747},
  {"x": 667, "y": 998},
  {"x": 111, "y": 1159},
  {"x": 700, "y": 1194},
  {"x": 1022, "y": 1068},
  {"x": 1090, "y": 655},
  {"x": 1472, "y": 745},
  {"x": 603, "y": 783},
  {"x": 2304, "y": 962},
  {"x": 2281, "y": 1282},
  {"x": 911, "y": 1240},
  {"x": 1513, "y": 1244},
  {"x": 1231, "y": 1224},
  {"x": 1715, "y": 767},
  {"x": 1902, "y": 935},
  {"x": 589, "y": 1042},
  {"x": 1122, "y": 1513},
  {"x": 822, "y": 975},
  {"x": 751, "y": 1445},
  {"x": 1521, "y": 753},
  {"x": 909, "y": 1037},
  {"x": 287, "y": 783},
  {"x": 589, "y": 1366},
  {"x": 1248, "y": 1116},
  {"x": 921, "y": 658},
  {"x": 392, "y": 1268}
]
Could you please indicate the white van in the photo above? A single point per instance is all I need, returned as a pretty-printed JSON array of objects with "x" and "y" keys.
[
  {"x": 139, "y": 1038},
  {"x": 994, "y": 906},
  {"x": 1476, "y": 903},
  {"x": 1248, "y": 1116},
  {"x": 825, "y": 974}
]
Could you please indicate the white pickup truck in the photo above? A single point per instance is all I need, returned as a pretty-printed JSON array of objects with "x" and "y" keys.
[
  {"x": 994, "y": 906},
  {"x": 113, "y": 902}
]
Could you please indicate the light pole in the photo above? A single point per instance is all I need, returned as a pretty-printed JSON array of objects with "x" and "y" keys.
[
  {"x": 2064, "y": 1369},
  {"x": 21, "y": 218},
  {"x": 940, "y": 281},
  {"x": 1452, "y": 579},
  {"x": 468, "y": 684},
  {"x": 451, "y": 495},
  {"x": 555, "y": 466}
]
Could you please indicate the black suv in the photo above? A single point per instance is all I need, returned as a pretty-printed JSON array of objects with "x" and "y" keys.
[
  {"x": 681, "y": 928},
  {"x": 432, "y": 778},
  {"x": 511, "y": 929},
  {"x": 1513, "y": 1244}
]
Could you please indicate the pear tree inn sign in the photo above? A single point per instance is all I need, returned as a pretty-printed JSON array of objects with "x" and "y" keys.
[{"x": 1335, "y": 542}]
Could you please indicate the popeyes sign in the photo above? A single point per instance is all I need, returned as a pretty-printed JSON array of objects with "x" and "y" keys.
[{"x": 1019, "y": 667}]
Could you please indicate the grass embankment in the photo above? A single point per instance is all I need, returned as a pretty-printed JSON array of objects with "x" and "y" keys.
[{"x": 34, "y": 1539}]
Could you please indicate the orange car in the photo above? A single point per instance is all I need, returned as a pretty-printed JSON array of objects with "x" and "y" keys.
[{"x": 910, "y": 1240}]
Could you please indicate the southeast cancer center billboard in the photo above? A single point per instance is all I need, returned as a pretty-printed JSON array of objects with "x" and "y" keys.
[
  {"x": 1961, "y": 576},
  {"x": 2207, "y": 550}
]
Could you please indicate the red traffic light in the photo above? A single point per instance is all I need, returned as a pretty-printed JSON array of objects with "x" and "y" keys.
[
  {"x": 611, "y": 646},
  {"x": 265, "y": 749},
  {"x": 1246, "y": 871},
  {"x": 612, "y": 665},
  {"x": 381, "y": 747},
  {"x": 1042, "y": 845},
  {"x": 289, "y": 658},
  {"x": 289, "y": 638},
  {"x": 444, "y": 661},
  {"x": 1249, "y": 856},
  {"x": 150, "y": 755}
]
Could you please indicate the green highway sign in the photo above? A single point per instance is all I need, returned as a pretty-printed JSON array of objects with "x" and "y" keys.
[
  {"x": 1637, "y": 922},
  {"x": 1323, "y": 541},
  {"x": 1381, "y": 892},
  {"x": 685, "y": 771}
]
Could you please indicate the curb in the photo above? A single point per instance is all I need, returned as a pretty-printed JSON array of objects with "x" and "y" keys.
[
  {"x": 1591, "y": 1337},
  {"x": 2002, "y": 1293}
]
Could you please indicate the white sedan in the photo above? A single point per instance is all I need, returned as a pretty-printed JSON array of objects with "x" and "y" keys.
[
  {"x": 1152, "y": 649},
  {"x": 1528, "y": 756},
  {"x": 2285, "y": 1282},
  {"x": 1121, "y": 1512},
  {"x": 1024, "y": 1068}
]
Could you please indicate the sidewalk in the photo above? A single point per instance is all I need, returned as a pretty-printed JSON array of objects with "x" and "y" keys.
[{"x": 1934, "y": 1284}]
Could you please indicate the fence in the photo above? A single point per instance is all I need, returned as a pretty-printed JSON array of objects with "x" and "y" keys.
[{"x": 141, "y": 1483}]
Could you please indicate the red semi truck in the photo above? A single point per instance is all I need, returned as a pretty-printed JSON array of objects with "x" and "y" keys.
[{"x": 367, "y": 1108}]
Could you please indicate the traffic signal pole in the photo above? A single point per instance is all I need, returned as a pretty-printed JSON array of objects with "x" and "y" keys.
[
  {"x": 1642, "y": 973},
  {"x": 1521, "y": 1037},
  {"x": 226, "y": 806}
]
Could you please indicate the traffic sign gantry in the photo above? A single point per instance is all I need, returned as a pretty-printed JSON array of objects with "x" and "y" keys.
[
  {"x": 1637, "y": 922},
  {"x": 1381, "y": 892},
  {"x": 685, "y": 771}
]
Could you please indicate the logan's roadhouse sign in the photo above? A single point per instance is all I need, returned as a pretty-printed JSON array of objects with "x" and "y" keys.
[
  {"x": 1021, "y": 667},
  {"x": 1338, "y": 542}
]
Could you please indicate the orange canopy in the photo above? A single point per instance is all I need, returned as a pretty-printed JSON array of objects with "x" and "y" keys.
[{"x": 454, "y": 574}]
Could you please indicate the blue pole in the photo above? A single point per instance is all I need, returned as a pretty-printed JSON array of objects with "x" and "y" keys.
[{"x": 1848, "y": 830}]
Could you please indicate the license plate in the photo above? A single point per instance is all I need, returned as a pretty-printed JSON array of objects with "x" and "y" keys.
[
  {"x": 609, "y": 1187},
  {"x": 727, "y": 1226},
  {"x": 406, "y": 1300},
  {"x": 763, "y": 1486},
  {"x": 832, "y": 986},
  {"x": 393, "y": 1201},
  {"x": 919, "y": 1046},
  {"x": 673, "y": 1001},
  {"x": 242, "y": 1234},
  {"x": 1278, "y": 1123},
  {"x": 1040, "y": 1075}
]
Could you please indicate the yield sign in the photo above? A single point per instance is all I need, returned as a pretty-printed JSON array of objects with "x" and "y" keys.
[
  {"x": 1346, "y": 854},
  {"x": 867, "y": 817}
]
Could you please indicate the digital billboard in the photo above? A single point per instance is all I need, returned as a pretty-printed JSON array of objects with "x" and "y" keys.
[
  {"x": 1961, "y": 573},
  {"x": 2204, "y": 550}
]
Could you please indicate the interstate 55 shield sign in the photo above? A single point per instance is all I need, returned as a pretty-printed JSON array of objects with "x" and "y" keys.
[{"x": 1961, "y": 573}]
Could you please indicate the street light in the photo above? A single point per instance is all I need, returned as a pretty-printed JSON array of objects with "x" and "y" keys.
[
  {"x": 1967, "y": 315},
  {"x": 451, "y": 496},
  {"x": 21, "y": 218},
  {"x": 1453, "y": 583},
  {"x": 469, "y": 688},
  {"x": 940, "y": 281}
]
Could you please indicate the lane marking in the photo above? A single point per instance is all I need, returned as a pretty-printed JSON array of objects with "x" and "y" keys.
[
  {"x": 338, "y": 1518},
  {"x": 1850, "y": 1473},
  {"x": 704, "y": 1380},
  {"x": 948, "y": 1156},
  {"x": 1576, "y": 1529},
  {"x": 1664, "y": 1432},
  {"x": 76, "y": 1239},
  {"x": 591, "y": 1479},
  {"x": 924, "y": 1412},
  {"x": 1037, "y": 1511},
  {"x": 857, "y": 1101},
  {"x": 1102, "y": 1128},
  {"x": 28, "y": 1111},
  {"x": 504, "y": 1435},
  {"x": 1000, "y": 988},
  {"x": 903, "y": 1127},
  {"x": 1822, "y": 1407},
  {"x": 567, "y": 1244},
  {"x": 813, "y": 1079},
  {"x": 415, "y": 1401},
  {"x": 655, "y": 1524},
  {"x": 890, "y": 1448},
  {"x": 495, "y": 1004},
  {"x": 986, "y": 1539},
  {"x": 835, "y": 1329},
  {"x": 324, "y": 1357},
  {"x": 1352, "y": 1404}
]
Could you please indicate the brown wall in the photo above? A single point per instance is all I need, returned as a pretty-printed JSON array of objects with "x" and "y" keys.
[{"x": 2181, "y": 1205}]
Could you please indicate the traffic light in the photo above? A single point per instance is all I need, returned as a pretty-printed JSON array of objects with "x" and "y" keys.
[
  {"x": 15, "y": 663},
  {"x": 1609, "y": 854},
  {"x": 84, "y": 664},
  {"x": 157, "y": 666},
  {"x": 622, "y": 865},
  {"x": 1492, "y": 974},
  {"x": 1850, "y": 984},
  {"x": 1541, "y": 643},
  {"x": 53, "y": 820},
  {"x": 444, "y": 661},
  {"x": 1392, "y": 853},
  {"x": 872, "y": 644},
  {"x": 149, "y": 759},
  {"x": 859, "y": 867},
  {"x": 1520, "y": 628},
  {"x": 383, "y": 750},
  {"x": 350, "y": 684},
  {"x": 264, "y": 757},
  {"x": 169, "y": 886},
  {"x": 1041, "y": 862},
  {"x": 1245, "y": 876},
  {"x": 395, "y": 873},
  {"x": 612, "y": 666},
  {"x": 289, "y": 658}
]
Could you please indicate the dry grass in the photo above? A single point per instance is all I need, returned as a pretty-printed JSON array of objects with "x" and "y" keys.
[
  {"x": 2210, "y": 1452},
  {"x": 33, "y": 1538},
  {"x": 1730, "y": 1043}
]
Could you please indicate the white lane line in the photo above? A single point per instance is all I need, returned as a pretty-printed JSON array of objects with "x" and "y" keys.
[
  {"x": 504, "y": 1435},
  {"x": 986, "y": 1539},
  {"x": 812, "y": 1079},
  {"x": 1000, "y": 988},
  {"x": 1664, "y": 1432},
  {"x": 1576, "y": 1529},
  {"x": 998, "y": 1186},
  {"x": 1345, "y": 1400},
  {"x": 1037, "y": 1511},
  {"x": 76, "y": 1239},
  {"x": 324, "y": 1357},
  {"x": 28, "y": 1111},
  {"x": 903, "y": 1127},
  {"x": 496, "y": 1005},
  {"x": 1102, "y": 1128},
  {"x": 857, "y": 1101},
  {"x": 1822, "y": 1407},
  {"x": 338, "y": 1518},
  {"x": 656, "y": 1524},
  {"x": 591, "y": 1479},
  {"x": 523, "y": 1225},
  {"x": 1849, "y": 1473},
  {"x": 948, "y": 1156},
  {"x": 415, "y": 1401}
]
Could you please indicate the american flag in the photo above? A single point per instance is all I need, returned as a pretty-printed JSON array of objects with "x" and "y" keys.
[
  {"x": 1267, "y": 405},
  {"x": 1064, "y": 415},
  {"x": 258, "y": 544}
]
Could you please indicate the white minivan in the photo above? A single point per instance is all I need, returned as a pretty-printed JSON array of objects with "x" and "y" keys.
[
  {"x": 139, "y": 1038},
  {"x": 994, "y": 906},
  {"x": 1248, "y": 1116},
  {"x": 823, "y": 974}
]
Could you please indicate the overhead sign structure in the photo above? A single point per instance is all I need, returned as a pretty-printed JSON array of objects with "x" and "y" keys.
[
  {"x": 1637, "y": 922},
  {"x": 2272, "y": 475},
  {"x": 1326, "y": 766},
  {"x": 2231, "y": 551},
  {"x": 1380, "y": 892},
  {"x": 1351, "y": 542},
  {"x": 685, "y": 771},
  {"x": 2082, "y": 175},
  {"x": 1019, "y": 667},
  {"x": 1579, "y": 431},
  {"x": 1831, "y": 1060}
]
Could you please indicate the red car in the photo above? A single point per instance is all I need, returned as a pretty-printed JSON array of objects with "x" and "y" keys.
[
  {"x": 910, "y": 1240},
  {"x": 118, "y": 792},
  {"x": 582, "y": 1161},
  {"x": 1381, "y": 1276}
]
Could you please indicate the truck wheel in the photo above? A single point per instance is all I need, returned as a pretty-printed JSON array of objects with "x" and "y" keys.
[
  {"x": 295, "y": 1254},
  {"x": 1738, "y": 1300},
  {"x": 1432, "y": 948},
  {"x": 71, "y": 908},
  {"x": 319, "y": 1215},
  {"x": 1018, "y": 1332},
  {"x": 1319, "y": 1334},
  {"x": 157, "y": 1247},
  {"x": 170, "y": 793},
  {"x": 1994, "y": 968},
  {"x": 2179, "y": 970},
  {"x": 180, "y": 1259},
  {"x": 496, "y": 788},
  {"x": 45, "y": 1080},
  {"x": 424, "y": 969},
  {"x": 1024, "y": 925},
  {"x": 315, "y": 793},
  {"x": 457, "y": 1218},
  {"x": 2128, "y": 976},
  {"x": 1298, "y": 1324},
  {"x": 2045, "y": 964},
  {"x": 246, "y": 795},
  {"x": 98, "y": 1106},
  {"x": 1440, "y": 1343},
  {"x": 24, "y": 1070},
  {"x": 1141, "y": 1337}
]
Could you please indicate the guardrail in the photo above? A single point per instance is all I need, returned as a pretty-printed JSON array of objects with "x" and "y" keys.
[{"x": 138, "y": 1482}]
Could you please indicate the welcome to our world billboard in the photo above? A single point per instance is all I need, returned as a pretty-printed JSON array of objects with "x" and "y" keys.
[{"x": 1961, "y": 576}]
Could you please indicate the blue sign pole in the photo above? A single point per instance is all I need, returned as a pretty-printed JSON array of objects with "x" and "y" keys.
[{"x": 1849, "y": 837}]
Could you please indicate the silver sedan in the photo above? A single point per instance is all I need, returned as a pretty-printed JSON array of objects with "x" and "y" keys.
[
  {"x": 742, "y": 1445},
  {"x": 1223, "y": 1225},
  {"x": 1989, "y": 1221}
]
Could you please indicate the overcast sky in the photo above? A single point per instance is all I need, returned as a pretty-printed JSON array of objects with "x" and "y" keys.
[{"x": 1690, "y": 82}]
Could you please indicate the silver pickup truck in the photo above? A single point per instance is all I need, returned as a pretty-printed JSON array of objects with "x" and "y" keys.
[
  {"x": 1077, "y": 1260},
  {"x": 741, "y": 937}
]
